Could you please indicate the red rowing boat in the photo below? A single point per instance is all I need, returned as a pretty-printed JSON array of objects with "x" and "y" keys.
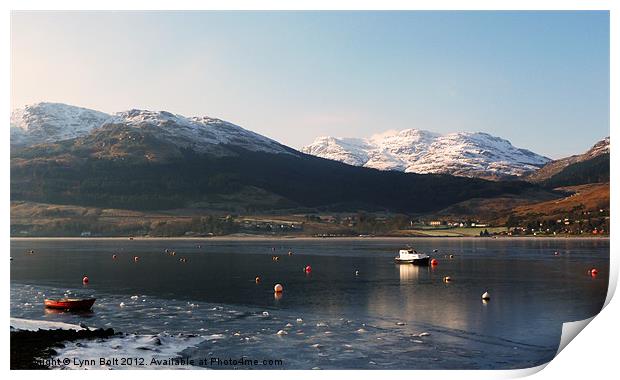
[{"x": 70, "y": 303}]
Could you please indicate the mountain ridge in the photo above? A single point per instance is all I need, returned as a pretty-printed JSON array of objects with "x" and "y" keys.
[
  {"x": 158, "y": 160},
  {"x": 47, "y": 122},
  {"x": 55, "y": 122},
  {"x": 469, "y": 154},
  {"x": 555, "y": 167}
]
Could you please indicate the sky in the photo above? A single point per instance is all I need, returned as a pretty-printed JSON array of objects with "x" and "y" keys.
[{"x": 538, "y": 79}]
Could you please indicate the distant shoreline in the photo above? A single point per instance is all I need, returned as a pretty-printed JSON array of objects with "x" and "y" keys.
[{"x": 311, "y": 238}]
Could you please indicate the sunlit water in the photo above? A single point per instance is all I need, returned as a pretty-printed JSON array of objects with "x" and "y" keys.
[{"x": 388, "y": 316}]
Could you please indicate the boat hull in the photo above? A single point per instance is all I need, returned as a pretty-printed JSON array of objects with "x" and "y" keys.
[
  {"x": 421, "y": 261},
  {"x": 70, "y": 304}
]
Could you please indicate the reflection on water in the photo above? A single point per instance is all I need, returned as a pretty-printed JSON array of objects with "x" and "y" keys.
[
  {"x": 408, "y": 272},
  {"x": 355, "y": 295},
  {"x": 60, "y": 312}
]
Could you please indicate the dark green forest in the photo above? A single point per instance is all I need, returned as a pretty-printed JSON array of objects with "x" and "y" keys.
[
  {"x": 589, "y": 171},
  {"x": 60, "y": 175}
]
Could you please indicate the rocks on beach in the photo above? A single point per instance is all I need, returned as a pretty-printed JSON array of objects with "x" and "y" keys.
[{"x": 32, "y": 342}]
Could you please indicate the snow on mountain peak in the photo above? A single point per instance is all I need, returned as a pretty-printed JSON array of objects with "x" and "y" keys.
[
  {"x": 472, "y": 154},
  {"x": 49, "y": 122},
  {"x": 599, "y": 148},
  {"x": 197, "y": 133}
]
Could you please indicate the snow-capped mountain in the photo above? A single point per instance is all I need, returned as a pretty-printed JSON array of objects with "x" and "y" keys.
[
  {"x": 599, "y": 148},
  {"x": 196, "y": 133},
  {"x": 49, "y": 122},
  {"x": 417, "y": 151}
]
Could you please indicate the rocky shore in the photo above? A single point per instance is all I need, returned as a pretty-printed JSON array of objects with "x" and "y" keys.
[{"x": 35, "y": 349}]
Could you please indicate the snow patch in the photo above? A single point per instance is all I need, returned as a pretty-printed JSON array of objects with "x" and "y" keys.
[{"x": 35, "y": 325}]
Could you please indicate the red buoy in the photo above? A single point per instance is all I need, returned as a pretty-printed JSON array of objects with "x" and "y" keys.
[
  {"x": 308, "y": 269},
  {"x": 434, "y": 262},
  {"x": 85, "y": 280},
  {"x": 593, "y": 272}
]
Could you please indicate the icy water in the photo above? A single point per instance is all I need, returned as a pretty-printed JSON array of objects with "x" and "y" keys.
[{"x": 388, "y": 316}]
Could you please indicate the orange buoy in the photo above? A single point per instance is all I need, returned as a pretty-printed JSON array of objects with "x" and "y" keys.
[
  {"x": 257, "y": 279},
  {"x": 593, "y": 272},
  {"x": 85, "y": 280},
  {"x": 434, "y": 262},
  {"x": 308, "y": 269},
  {"x": 278, "y": 288}
]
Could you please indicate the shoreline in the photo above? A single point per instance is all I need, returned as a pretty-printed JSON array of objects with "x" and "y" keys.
[
  {"x": 35, "y": 349},
  {"x": 307, "y": 238}
]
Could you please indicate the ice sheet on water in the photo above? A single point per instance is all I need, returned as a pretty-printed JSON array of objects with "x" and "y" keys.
[
  {"x": 227, "y": 331},
  {"x": 147, "y": 352}
]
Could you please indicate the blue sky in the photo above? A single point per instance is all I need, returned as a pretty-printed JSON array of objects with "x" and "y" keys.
[{"x": 539, "y": 79}]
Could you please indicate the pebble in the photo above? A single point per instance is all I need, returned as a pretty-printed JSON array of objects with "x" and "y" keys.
[
  {"x": 282, "y": 332},
  {"x": 299, "y": 320}
]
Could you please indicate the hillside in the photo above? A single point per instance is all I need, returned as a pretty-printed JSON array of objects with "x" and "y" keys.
[
  {"x": 590, "y": 198},
  {"x": 66, "y": 174},
  {"x": 589, "y": 167},
  {"x": 593, "y": 170}
]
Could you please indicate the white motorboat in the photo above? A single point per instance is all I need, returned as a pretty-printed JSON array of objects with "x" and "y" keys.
[{"x": 411, "y": 256}]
